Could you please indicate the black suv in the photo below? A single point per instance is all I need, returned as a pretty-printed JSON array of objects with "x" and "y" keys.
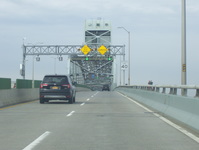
[
  {"x": 106, "y": 87},
  {"x": 57, "y": 87}
]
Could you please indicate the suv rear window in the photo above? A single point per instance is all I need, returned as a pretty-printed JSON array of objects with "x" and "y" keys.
[{"x": 56, "y": 79}]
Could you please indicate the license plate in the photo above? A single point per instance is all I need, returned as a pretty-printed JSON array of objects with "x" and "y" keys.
[{"x": 54, "y": 87}]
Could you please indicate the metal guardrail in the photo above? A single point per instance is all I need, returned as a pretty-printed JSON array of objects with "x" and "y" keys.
[{"x": 173, "y": 89}]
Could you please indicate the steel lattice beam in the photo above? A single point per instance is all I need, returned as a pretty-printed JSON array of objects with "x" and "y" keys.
[{"x": 68, "y": 50}]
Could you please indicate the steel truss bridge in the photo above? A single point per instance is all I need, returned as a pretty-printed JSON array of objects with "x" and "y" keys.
[{"x": 93, "y": 68}]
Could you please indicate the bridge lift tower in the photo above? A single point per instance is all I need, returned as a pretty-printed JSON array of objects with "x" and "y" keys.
[
  {"x": 97, "y": 64},
  {"x": 91, "y": 63}
]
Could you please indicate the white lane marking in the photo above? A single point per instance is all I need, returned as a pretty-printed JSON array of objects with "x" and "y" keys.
[
  {"x": 82, "y": 104},
  {"x": 70, "y": 114},
  {"x": 88, "y": 99},
  {"x": 94, "y": 94},
  {"x": 37, "y": 141},
  {"x": 184, "y": 131}
]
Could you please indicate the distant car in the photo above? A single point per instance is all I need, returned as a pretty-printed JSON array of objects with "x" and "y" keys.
[
  {"x": 57, "y": 87},
  {"x": 106, "y": 87}
]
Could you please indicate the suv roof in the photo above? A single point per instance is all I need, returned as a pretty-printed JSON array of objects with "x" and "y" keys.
[
  {"x": 56, "y": 79},
  {"x": 55, "y": 75}
]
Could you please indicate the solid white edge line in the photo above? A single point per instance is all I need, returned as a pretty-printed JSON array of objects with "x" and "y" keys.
[
  {"x": 70, "y": 114},
  {"x": 184, "y": 131},
  {"x": 37, "y": 141}
]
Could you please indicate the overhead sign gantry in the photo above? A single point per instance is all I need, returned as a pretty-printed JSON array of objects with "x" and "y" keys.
[{"x": 74, "y": 51}]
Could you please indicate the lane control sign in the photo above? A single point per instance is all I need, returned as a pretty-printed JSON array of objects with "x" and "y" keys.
[
  {"x": 102, "y": 50},
  {"x": 85, "y": 49}
]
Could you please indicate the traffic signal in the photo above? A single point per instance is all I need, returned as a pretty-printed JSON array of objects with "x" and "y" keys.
[
  {"x": 86, "y": 58},
  {"x": 109, "y": 58}
]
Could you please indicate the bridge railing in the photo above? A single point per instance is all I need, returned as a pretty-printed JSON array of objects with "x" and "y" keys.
[{"x": 169, "y": 89}]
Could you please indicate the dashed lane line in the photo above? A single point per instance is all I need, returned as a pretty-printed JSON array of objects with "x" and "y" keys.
[
  {"x": 70, "y": 114},
  {"x": 82, "y": 104},
  {"x": 37, "y": 141}
]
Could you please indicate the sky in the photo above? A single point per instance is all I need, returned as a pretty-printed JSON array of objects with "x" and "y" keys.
[{"x": 155, "y": 27}]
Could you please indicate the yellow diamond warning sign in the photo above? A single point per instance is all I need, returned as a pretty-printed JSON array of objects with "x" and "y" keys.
[
  {"x": 85, "y": 49},
  {"x": 102, "y": 49}
]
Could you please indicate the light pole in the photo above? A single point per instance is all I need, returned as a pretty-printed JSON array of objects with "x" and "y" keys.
[
  {"x": 120, "y": 72},
  {"x": 22, "y": 66},
  {"x": 183, "y": 53},
  {"x": 129, "y": 36},
  {"x": 33, "y": 71}
]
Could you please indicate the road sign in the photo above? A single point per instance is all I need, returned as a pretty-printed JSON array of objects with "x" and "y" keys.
[
  {"x": 184, "y": 68},
  {"x": 124, "y": 65},
  {"x": 102, "y": 50},
  {"x": 85, "y": 49}
]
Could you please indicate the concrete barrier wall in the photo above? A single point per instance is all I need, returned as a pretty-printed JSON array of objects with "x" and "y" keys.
[
  {"x": 183, "y": 109},
  {"x": 13, "y": 96}
]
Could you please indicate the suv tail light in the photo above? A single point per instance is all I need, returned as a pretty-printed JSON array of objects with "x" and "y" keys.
[
  {"x": 66, "y": 85},
  {"x": 42, "y": 85}
]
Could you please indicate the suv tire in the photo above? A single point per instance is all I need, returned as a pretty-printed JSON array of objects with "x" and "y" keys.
[
  {"x": 74, "y": 100},
  {"x": 71, "y": 100}
]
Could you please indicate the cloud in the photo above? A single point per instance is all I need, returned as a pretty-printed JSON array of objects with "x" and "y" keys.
[
  {"x": 50, "y": 12},
  {"x": 143, "y": 7},
  {"x": 79, "y": 7},
  {"x": 57, "y": 11}
]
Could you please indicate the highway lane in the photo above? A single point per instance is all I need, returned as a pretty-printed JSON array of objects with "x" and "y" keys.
[{"x": 98, "y": 121}]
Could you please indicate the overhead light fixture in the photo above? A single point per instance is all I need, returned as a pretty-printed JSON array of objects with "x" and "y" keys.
[
  {"x": 60, "y": 58},
  {"x": 37, "y": 58}
]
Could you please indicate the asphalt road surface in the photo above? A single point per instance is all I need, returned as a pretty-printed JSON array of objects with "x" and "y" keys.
[{"x": 97, "y": 121}]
